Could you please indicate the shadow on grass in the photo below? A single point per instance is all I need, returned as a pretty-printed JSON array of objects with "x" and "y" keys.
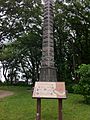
[{"x": 84, "y": 102}]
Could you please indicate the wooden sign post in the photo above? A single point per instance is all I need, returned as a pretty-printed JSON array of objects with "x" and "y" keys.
[
  {"x": 51, "y": 90},
  {"x": 38, "y": 115},
  {"x": 59, "y": 109}
]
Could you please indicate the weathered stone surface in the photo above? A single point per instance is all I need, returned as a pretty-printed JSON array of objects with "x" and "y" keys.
[{"x": 48, "y": 71}]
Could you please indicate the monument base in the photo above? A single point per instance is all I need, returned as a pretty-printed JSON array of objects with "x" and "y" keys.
[{"x": 48, "y": 74}]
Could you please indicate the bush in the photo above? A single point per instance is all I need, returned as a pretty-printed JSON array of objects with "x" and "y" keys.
[
  {"x": 83, "y": 87},
  {"x": 69, "y": 88},
  {"x": 76, "y": 89}
]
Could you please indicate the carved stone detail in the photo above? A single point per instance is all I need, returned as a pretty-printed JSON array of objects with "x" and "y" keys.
[{"x": 48, "y": 71}]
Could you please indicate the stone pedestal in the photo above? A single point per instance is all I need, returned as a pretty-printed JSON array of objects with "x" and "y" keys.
[{"x": 48, "y": 74}]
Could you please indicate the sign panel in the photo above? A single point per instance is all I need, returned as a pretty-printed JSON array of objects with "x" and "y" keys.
[{"x": 49, "y": 90}]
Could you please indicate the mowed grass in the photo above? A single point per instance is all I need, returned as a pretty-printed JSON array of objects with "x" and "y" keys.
[{"x": 21, "y": 106}]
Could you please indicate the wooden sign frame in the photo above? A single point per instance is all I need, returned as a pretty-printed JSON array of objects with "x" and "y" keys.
[{"x": 49, "y": 90}]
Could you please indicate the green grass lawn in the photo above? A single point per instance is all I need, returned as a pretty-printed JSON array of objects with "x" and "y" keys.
[{"x": 21, "y": 106}]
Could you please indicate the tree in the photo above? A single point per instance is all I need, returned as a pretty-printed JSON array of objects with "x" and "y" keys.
[
  {"x": 18, "y": 17},
  {"x": 21, "y": 26},
  {"x": 21, "y": 23},
  {"x": 23, "y": 55},
  {"x": 72, "y": 37},
  {"x": 83, "y": 87}
]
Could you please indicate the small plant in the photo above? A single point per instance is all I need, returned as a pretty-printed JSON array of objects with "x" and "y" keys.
[{"x": 83, "y": 87}]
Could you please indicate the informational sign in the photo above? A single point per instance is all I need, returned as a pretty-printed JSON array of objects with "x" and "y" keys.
[{"x": 49, "y": 90}]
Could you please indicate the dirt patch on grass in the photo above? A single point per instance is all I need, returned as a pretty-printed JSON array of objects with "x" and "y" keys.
[{"x": 4, "y": 93}]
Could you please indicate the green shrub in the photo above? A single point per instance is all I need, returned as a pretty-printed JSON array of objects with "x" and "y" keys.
[
  {"x": 83, "y": 87},
  {"x": 76, "y": 89},
  {"x": 69, "y": 88}
]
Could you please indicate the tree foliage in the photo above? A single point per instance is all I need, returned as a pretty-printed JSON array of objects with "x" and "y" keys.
[
  {"x": 72, "y": 37},
  {"x": 83, "y": 87},
  {"x": 24, "y": 56},
  {"x": 21, "y": 23},
  {"x": 21, "y": 26},
  {"x": 18, "y": 17}
]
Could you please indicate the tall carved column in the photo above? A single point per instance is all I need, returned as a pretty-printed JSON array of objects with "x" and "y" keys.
[{"x": 48, "y": 70}]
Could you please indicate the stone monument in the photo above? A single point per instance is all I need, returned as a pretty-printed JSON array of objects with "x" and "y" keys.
[
  {"x": 48, "y": 87},
  {"x": 48, "y": 70}
]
